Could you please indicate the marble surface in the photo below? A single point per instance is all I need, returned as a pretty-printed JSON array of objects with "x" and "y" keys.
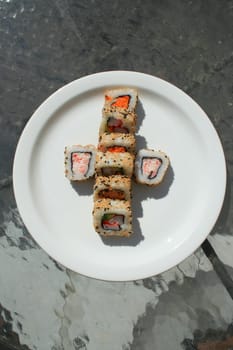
[{"x": 46, "y": 44}]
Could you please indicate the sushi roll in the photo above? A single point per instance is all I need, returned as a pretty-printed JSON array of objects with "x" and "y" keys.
[
  {"x": 80, "y": 162},
  {"x": 113, "y": 121},
  {"x": 112, "y": 217},
  {"x": 112, "y": 187},
  {"x": 117, "y": 142},
  {"x": 151, "y": 166},
  {"x": 121, "y": 99},
  {"x": 110, "y": 163}
]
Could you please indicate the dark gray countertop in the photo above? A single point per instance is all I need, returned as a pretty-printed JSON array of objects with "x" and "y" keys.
[{"x": 46, "y": 44}]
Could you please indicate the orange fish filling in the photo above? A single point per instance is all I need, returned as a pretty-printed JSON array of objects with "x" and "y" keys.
[
  {"x": 121, "y": 101},
  {"x": 116, "y": 149}
]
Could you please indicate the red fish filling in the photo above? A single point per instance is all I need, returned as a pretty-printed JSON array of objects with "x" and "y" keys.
[
  {"x": 112, "y": 222},
  {"x": 112, "y": 193},
  {"x": 108, "y": 171},
  {"x": 120, "y": 101},
  {"x": 116, "y": 149},
  {"x": 151, "y": 166},
  {"x": 80, "y": 162},
  {"x": 116, "y": 125}
]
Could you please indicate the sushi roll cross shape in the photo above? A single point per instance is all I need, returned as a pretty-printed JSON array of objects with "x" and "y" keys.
[{"x": 113, "y": 164}]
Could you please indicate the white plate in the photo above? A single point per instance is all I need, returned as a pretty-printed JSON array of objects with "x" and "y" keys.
[{"x": 170, "y": 221}]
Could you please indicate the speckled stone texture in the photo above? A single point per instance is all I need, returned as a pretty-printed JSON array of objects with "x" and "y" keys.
[{"x": 46, "y": 44}]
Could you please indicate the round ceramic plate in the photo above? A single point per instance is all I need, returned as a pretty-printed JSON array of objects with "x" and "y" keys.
[{"x": 169, "y": 221}]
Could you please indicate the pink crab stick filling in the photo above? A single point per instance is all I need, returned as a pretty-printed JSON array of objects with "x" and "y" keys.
[
  {"x": 150, "y": 167},
  {"x": 80, "y": 162}
]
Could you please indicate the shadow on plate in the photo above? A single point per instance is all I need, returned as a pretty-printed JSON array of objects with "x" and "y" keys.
[
  {"x": 140, "y": 115},
  {"x": 84, "y": 188},
  {"x": 140, "y": 142}
]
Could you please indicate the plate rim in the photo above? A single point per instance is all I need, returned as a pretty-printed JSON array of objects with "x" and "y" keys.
[{"x": 63, "y": 94}]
